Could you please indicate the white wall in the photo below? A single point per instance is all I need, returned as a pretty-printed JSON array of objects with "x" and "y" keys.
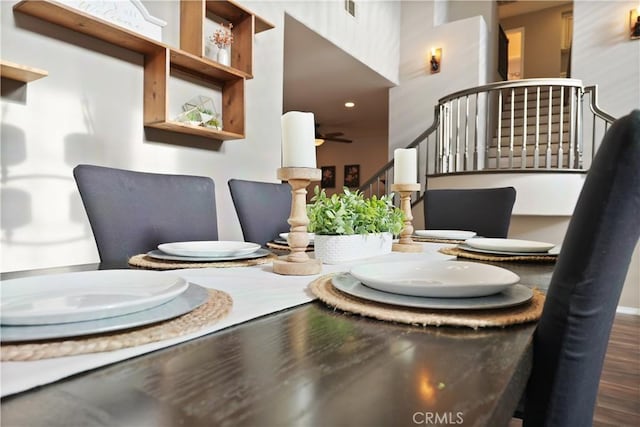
[
  {"x": 89, "y": 110},
  {"x": 464, "y": 53},
  {"x": 603, "y": 54}
]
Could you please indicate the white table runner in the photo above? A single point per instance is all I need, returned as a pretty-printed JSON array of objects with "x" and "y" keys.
[{"x": 256, "y": 291}]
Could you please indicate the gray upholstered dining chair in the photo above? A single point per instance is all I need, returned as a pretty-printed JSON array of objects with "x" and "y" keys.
[
  {"x": 571, "y": 338},
  {"x": 262, "y": 207},
  {"x": 132, "y": 212},
  {"x": 487, "y": 211}
]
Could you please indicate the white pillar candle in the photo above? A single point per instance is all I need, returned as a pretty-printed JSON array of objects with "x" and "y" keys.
[
  {"x": 298, "y": 140},
  {"x": 404, "y": 166}
]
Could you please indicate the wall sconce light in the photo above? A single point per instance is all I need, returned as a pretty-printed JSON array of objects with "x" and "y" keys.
[
  {"x": 435, "y": 61},
  {"x": 634, "y": 23},
  {"x": 319, "y": 142}
]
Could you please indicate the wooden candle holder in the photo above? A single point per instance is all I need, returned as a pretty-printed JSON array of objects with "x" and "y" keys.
[
  {"x": 298, "y": 263},
  {"x": 406, "y": 244}
]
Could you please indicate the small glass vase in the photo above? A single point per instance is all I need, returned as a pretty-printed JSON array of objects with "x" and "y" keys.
[{"x": 223, "y": 56}]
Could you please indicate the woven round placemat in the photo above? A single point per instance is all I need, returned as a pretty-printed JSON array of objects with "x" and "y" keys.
[
  {"x": 215, "y": 308},
  {"x": 501, "y": 317},
  {"x": 433, "y": 240},
  {"x": 461, "y": 253},
  {"x": 145, "y": 261},
  {"x": 280, "y": 247}
]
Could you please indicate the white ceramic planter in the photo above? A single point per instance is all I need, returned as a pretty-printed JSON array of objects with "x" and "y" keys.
[{"x": 339, "y": 249}]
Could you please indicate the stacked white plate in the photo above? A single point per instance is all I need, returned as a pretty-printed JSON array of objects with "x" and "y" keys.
[
  {"x": 208, "y": 251},
  {"x": 446, "y": 234},
  {"x": 312, "y": 236},
  {"x": 435, "y": 284},
  {"x": 509, "y": 246},
  {"x": 71, "y": 304}
]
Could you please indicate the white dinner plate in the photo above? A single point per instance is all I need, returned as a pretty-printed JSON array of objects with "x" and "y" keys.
[
  {"x": 553, "y": 251},
  {"x": 446, "y": 234},
  {"x": 435, "y": 279},
  {"x": 510, "y": 245},
  {"x": 513, "y": 295},
  {"x": 187, "y": 301},
  {"x": 286, "y": 242},
  {"x": 86, "y": 295},
  {"x": 211, "y": 248},
  {"x": 312, "y": 236},
  {"x": 158, "y": 254}
]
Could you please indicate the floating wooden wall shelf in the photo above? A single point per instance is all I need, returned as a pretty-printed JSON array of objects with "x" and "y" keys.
[
  {"x": 21, "y": 73},
  {"x": 160, "y": 58}
]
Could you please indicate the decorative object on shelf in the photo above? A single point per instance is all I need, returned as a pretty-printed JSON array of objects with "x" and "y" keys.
[
  {"x": 328, "y": 177},
  {"x": 299, "y": 169},
  {"x": 200, "y": 111},
  {"x": 130, "y": 14},
  {"x": 405, "y": 172},
  {"x": 223, "y": 38},
  {"x": 348, "y": 227},
  {"x": 352, "y": 176}
]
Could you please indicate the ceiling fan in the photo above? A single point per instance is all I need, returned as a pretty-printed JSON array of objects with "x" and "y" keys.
[{"x": 330, "y": 136}]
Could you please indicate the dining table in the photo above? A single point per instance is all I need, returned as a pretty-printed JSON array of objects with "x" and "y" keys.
[{"x": 283, "y": 358}]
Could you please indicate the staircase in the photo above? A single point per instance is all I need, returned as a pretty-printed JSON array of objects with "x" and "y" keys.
[
  {"x": 533, "y": 125},
  {"x": 535, "y": 133}
]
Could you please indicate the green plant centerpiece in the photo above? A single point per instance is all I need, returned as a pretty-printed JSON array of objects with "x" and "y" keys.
[{"x": 349, "y": 226}]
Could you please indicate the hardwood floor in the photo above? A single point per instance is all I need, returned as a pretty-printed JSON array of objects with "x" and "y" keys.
[
  {"x": 618, "y": 401},
  {"x": 619, "y": 394}
]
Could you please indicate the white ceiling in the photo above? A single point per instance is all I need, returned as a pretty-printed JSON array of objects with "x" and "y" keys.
[{"x": 320, "y": 77}]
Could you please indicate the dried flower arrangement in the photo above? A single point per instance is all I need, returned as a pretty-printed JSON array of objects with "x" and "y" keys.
[{"x": 222, "y": 37}]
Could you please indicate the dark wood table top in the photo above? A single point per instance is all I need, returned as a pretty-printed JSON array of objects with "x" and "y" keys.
[{"x": 309, "y": 365}]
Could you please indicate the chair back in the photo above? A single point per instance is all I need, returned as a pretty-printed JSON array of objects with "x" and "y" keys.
[
  {"x": 133, "y": 212},
  {"x": 572, "y": 336},
  {"x": 487, "y": 211},
  {"x": 263, "y": 209}
]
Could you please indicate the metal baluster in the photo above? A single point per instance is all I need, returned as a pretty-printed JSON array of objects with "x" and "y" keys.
[
  {"x": 456, "y": 161},
  {"x": 513, "y": 95},
  {"x": 475, "y": 138},
  {"x": 438, "y": 154},
  {"x": 523, "y": 153},
  {"x": 550, "y": 103},
  {"x": 560, "y": 149},
  {"x": 451, "y": 141},
  {"x": 572, "y": 129},
  {"x": 499, "y": 147},
  {"x": 579, "y": 124},
  {"x": 487, "y": 130},
  {"x": 536, "y": 150},
  {"x": 466, "y": 137}
]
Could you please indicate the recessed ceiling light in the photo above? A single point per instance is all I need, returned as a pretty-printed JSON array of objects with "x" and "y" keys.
[{"x": 350, "y": 104}]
